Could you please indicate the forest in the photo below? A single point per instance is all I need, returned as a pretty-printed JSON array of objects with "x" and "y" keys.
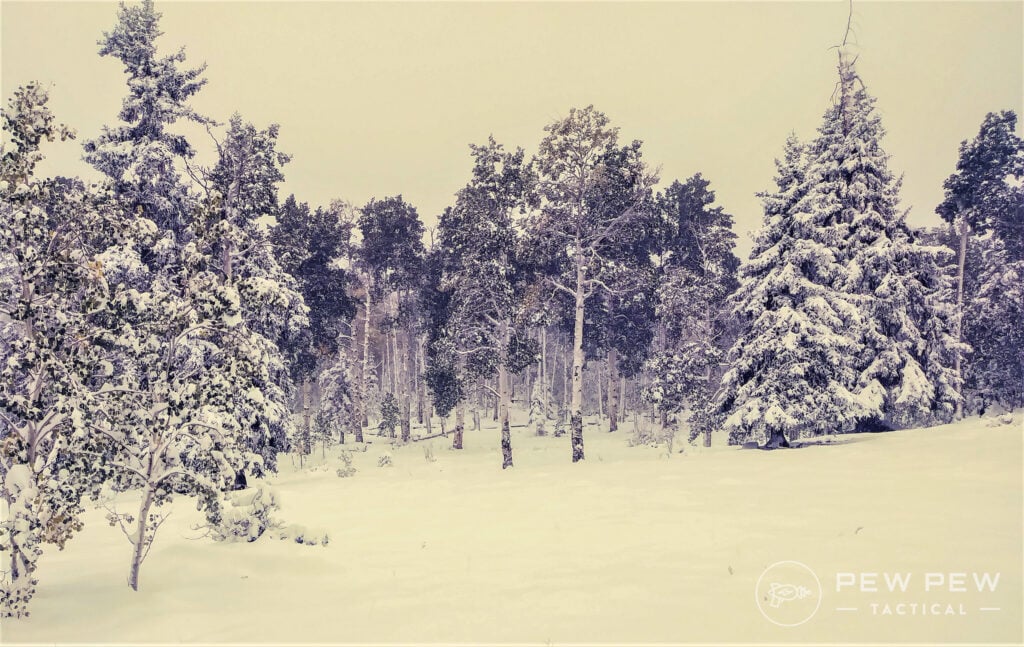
[{"x": 180, "y": 330}]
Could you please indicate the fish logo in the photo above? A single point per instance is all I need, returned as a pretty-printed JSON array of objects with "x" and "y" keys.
[{"x": 788, "y": 593}]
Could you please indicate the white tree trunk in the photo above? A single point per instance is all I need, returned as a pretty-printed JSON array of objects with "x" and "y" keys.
[
  {"x": 139, "y": 541},
  {"x": 364, "y": 387},
  {"x": 965, "y": 230},
  {"x": 576, "y": 407},
  {"x": 504, "y": 400}
]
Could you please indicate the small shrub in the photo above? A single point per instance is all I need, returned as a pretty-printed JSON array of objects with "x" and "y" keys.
[{"x": 347, "y": 470}]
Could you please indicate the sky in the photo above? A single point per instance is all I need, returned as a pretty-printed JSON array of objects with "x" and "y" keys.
[{"x": 378, "y": 99}]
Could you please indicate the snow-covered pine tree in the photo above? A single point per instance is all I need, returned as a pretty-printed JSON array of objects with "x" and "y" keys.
[
  {"x": 908, "y": 345},
  {"x": 984, "y": 202},
  {"x": 791, "y": 366},
  {"x": 51, "y": 292},
  {"x": 697, "y": 275},
  {"x": 172, "y": 323},
  {"x": 995, "y": 368},
  {"x": 141, "y": 155},
  {"x": 243, "y": 187},
  {"x": 445, "y": 374}
]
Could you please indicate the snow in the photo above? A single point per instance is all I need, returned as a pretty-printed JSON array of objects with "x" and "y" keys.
[{"x": 629, "y": 546}]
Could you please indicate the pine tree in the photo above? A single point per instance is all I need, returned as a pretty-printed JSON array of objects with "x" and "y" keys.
[
  {"x": 309, "y": 245},
  {"x": 984, "y": 202},
  {"x": 174, "y": 325},
  {"x": 697, "y": 275},
  {"x": 790, "y": 366},
  {"x": 243, "y": 186},
  {"x": 906, "y": 369},
  {"x": 839, "y": 281},
  {"x": 140, "y": 156},
  {"x": 393, "y": 252}
]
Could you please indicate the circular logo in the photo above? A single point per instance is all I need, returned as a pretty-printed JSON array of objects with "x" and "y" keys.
[{"x": 788, "y": 593}]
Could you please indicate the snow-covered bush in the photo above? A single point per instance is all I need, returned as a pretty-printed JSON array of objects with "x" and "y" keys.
[
  {"x": 247, "y": 515},
  {"x": 301, "y": 534}
]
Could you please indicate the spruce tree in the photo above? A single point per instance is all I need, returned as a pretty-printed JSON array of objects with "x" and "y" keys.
[
  {"x": 908, "y": 347},
  {"x": 791, "y": 365}
]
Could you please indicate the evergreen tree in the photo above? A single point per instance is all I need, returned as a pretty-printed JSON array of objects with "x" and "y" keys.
[
  {"x": 790, "y": 366},
  {"x": 906, "y": 368},
  {"x": 310, "y": 245},
  {"x": 855, "y": 301},
  {"x": 697, "y": 275},
  {"x": 393, "y": 253},
  {"x": 243, "y": 186},
  {"x": 140, "y": 156},
  {"x": 173, "y": 324},
  {"x": 984, "y": 202}
]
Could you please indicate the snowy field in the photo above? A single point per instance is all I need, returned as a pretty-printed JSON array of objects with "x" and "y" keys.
[{"x": 630, "y": 546}]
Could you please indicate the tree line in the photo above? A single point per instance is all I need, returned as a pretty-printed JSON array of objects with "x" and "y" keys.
[{"x": 172, "y": 329}]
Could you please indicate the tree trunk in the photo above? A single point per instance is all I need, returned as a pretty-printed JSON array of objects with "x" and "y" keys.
[
  {"x": 405, "y": 397},
  {"x": 139, "y": 542},
  {"x": 962, "y": 261},
  {"x": 543, "y": 376},
  {"x": 566, "y": 368},
  {"x": 622, "y": 398},
  {"x": 497, "y": 403},
  {"x": 460, "y": 424},
  {"x": 417, "y": 383},
  {"x": 576, "y": 417},
  {"x": 364, "y": 387},
  {"x": 306, "y": 388},
  {"x": 613, "y": 385},
  {"x": 479, "y": 404},
  {"x": 504, "y": 401},
  {"x": 394, "y": 348}
]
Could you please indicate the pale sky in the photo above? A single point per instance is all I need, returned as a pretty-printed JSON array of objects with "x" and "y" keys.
[{"x": 377, "y": 99}]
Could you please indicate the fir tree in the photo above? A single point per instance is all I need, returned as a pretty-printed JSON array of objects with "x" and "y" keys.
[
  {"x": 173, "y": 324},
  {"x": 790, "y": 366},
  {"x": 243, "y": 186},
  {"x": 908, "y": 349}
]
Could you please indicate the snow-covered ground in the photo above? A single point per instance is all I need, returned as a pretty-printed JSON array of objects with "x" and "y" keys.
[{"x": 630, "y": 546}]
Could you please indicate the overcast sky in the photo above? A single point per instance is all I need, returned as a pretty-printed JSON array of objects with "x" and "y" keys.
[{"x": 380, "y": 99}]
